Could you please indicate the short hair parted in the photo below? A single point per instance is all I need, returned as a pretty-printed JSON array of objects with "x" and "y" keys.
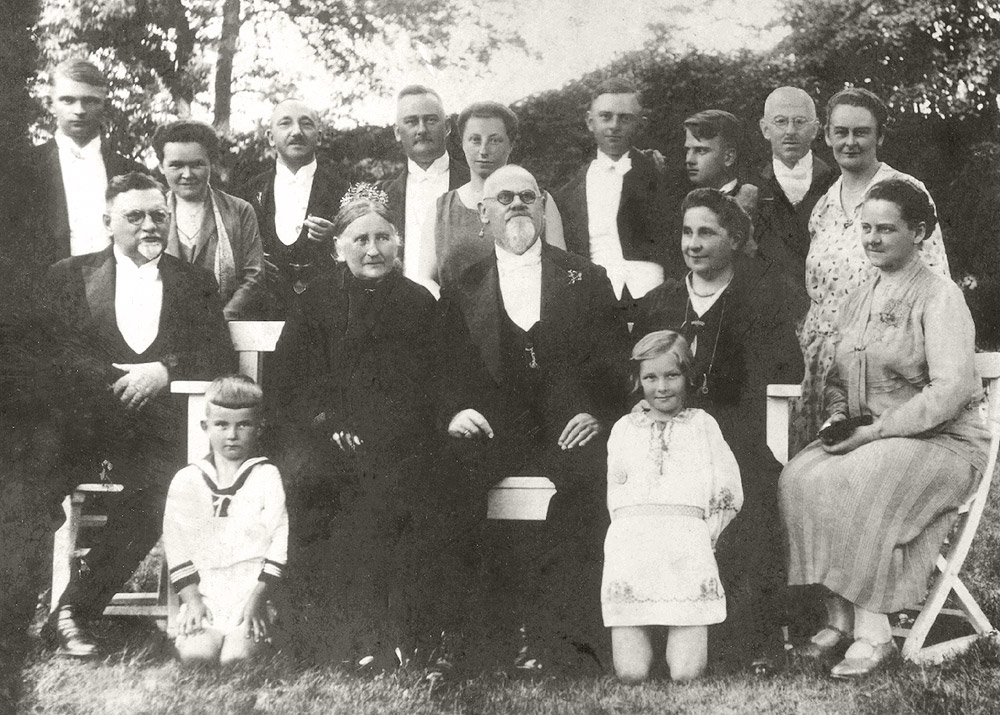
[
  {"x": 186, "y": 131},
  {"x": 914, "y": 204},
  {"x": 234, "y": 392},
  {"x": 416, "y": 89},
  {"x": 860, "y": 97},
  {"x": 616, "y": 85},
  {"x": 712, "y": 123},
  {"x": 133, "y": 181},
  {"x": 490, "y": 110},
  {"x": 728, "y": 212},
  {"x": 655, "y": 344},
  {"x": 83, "y": 71}
]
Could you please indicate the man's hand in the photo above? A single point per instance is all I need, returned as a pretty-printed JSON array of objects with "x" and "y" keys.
[
  {"x": 318, "y": 229},
  {"x": 578, "y": 431},
  {"x": 468, "y": 424},
  {"x": 140, "y": 383}
]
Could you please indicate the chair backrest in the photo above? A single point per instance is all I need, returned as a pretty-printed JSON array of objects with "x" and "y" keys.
[
  {"x": 988, "y": 367},
  {"x": 253, "y": 338}
]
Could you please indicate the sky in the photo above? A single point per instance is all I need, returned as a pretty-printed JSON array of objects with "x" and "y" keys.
[{"x": 565, "y": 39}]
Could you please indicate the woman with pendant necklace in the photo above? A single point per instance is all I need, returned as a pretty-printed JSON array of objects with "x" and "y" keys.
[
  {"x": 209, "y": 227},
  {"x": 732, "y": 311},
  {"x": 836, "y": 263}
]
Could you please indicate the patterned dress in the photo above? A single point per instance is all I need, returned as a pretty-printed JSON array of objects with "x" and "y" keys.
[
  {"x": 837, "y": 265},
  {"x": 672, "y": 488}
]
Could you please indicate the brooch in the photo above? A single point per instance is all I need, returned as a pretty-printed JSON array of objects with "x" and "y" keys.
[
  {"x": 574, "y": 276},
  {"x": 890, "y": 314}
]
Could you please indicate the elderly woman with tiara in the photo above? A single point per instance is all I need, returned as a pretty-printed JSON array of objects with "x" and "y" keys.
[{"x": 356, "y": 360}]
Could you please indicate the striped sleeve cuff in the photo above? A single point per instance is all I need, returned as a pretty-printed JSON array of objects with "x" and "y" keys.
[
  {"x": 272, "y": 571},
  {"x": 183, "y": 575}
]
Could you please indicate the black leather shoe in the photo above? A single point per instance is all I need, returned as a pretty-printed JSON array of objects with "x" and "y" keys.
[{"x": 69, "y": 637}]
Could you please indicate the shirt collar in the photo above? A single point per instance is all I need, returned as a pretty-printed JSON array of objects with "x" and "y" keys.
[
  {"x": 90, "y": 150},
  {"x": 440, "y": 166},
  {"x": 803, "y": 167},
  {"x": 305, "y": 173},
  {"x": 620, "y": 167},
  {"x": 149, "y": 270},
  {"x": 511, "y": 261},
  {"x": 729, "y": 186}
]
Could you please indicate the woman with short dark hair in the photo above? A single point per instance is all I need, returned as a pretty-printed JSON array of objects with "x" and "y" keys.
[
  {"x": 209, "y": 227},
  {"x": 454, "y": 238},
  {"x": 732, "y": 310},
  {"x": 867, "y": 509}
]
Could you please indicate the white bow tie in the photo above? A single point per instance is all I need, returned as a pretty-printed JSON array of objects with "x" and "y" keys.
[{"x": 620, "y": 167}]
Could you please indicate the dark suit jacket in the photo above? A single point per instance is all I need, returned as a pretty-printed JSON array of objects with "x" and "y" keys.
[
  {"x": 324, "y": 201},
  {"x": 748, "y": 342},
  {"x": 458, "y": 175},
  {"x": 781, "y": 230},
  {"x": 47, "y": 225},
  {"x": 369, "y": 372},
  {"x": 642, "y": 228},
  {"x": 580, "y": 339},
  {"x": 192, "y": 340}
]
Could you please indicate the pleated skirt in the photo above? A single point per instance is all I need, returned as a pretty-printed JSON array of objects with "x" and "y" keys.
[{"x": 869, "y": 524}]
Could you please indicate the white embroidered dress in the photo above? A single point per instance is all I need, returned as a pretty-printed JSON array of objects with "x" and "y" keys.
[
  {"x": 672, "y": 488},
  {"x": 226, "y": 539}
]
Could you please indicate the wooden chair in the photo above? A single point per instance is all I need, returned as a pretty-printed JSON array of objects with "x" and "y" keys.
[{"x": 945, "y": 581}]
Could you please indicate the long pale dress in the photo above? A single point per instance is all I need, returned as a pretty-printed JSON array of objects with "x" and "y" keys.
[
  {"x": 869, "y": 524},
  {"x": 835, "y": 266},
  {"x": 672, "y": 488}
]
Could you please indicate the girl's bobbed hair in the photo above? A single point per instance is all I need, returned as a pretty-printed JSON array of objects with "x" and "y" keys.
[{"x": 656, "y": 344}]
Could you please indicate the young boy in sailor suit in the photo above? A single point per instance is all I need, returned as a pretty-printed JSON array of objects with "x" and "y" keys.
[{"x": 225, "y": 532}]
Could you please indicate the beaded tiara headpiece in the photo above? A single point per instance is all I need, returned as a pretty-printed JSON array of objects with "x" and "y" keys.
[{"x": 364, "y": 191}]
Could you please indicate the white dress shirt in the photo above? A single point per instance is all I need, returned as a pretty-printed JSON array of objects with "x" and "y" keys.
[
  {"x": 521, "y": 284},
  {"x": 794, "y": 182},
  {"x": 138, "y": 300},
  {"x": 291, "y": 200},
  {"x": 84, "y": 181},
  {"x": 422, "y": 190},
  {"x": 604, "y": 195}
]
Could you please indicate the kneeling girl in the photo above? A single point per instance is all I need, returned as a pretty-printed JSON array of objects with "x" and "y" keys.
[{"x": 673, "y": 486}]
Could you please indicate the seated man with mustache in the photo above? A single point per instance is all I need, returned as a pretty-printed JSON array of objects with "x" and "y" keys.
[{"x": 534, "y": 343}]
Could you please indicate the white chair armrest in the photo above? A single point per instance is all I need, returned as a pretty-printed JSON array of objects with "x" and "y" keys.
[{"x": 779, "y": 409}]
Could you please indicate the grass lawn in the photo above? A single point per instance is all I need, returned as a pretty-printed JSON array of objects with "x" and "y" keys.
[{"x": 142, "y": 679}]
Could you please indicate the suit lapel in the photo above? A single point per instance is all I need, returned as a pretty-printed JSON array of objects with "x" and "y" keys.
[
  {"x": 481, "y": 305},
  {"x": 555, "y": 297},
  {"x": 99, "y": 289},
  {"x": 57, "y": 199}
]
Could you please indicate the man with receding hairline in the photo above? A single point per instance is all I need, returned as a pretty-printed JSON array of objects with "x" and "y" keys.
[
  {"x": 422, "y": 128},
  {"x": 295, "y": 202},
  {"x": 790, "y": 185},
  {"x": 70, "y": 171}
]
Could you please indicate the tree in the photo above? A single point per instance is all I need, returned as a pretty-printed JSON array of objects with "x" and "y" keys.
[
  {"x": 926, "y": 57},
  {"x": 175, "y": 44}
]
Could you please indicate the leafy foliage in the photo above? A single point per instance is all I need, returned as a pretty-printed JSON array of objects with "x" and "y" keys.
[{"x": 925, "y": 56}]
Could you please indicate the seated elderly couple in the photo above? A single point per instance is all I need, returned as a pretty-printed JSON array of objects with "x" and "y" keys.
[{"x": 523, "y": 363}]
